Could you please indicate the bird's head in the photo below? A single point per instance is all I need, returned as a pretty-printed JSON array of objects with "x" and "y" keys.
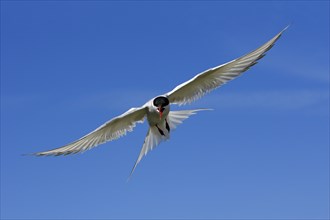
[{"x": 161, "y": 103}]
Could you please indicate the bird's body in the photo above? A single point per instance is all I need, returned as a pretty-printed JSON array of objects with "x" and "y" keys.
[
  {"x": 153, "y": 113},
  {"x": 162, "y": 121}
]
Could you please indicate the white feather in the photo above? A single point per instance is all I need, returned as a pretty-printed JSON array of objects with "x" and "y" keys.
[
  {"x": 177, "y": 117},
  {"x": 113, "y": 129},
  {"x": 211, "y": 79},
  {"x": 151, "y": 141},
  {"x": 182, "y": 94},
  {"x": 154, "y": 137}
]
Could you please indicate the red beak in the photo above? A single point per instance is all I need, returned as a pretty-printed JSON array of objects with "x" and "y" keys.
[{"x": 160, "y": 112}]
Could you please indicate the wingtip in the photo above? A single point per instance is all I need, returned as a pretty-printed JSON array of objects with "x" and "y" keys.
[
  {"x": 286, "y": 28},
  {"x": 38, "y": 154},
  {"x": 274, "y": 39},
  {"x": 283, "y": 30}
]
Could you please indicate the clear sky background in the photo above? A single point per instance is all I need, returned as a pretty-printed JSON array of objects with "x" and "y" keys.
[{"x": 67, "y": 67}]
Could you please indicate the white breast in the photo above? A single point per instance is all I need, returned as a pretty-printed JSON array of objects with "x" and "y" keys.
[{"x": 153, "y": 115}]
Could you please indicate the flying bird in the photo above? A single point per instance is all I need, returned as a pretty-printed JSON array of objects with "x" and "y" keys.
[{"x": 157, "y": 111}]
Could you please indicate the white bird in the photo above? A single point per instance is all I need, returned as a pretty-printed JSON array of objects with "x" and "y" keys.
[{"x": 157, "y": 111}]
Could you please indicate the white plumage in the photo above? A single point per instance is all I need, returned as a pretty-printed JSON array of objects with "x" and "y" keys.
[{"x": 157, "y": 111}]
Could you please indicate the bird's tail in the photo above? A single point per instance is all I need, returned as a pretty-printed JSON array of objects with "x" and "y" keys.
[
  {"x": 156, "y": 135},
  {"x": 151, "y": 141}
]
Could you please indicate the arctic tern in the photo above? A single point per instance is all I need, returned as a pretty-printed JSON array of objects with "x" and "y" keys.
[{"x": 157, "y": 110}]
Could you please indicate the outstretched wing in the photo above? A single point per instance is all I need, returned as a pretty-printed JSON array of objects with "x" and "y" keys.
[
  {"x": 208, "y": 80},
  {"x": 113, "y": 129}
]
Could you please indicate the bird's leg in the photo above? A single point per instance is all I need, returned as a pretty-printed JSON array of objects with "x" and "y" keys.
[
  {"x": 167, "y": 126},
  {"x": 160, "y": 130}
]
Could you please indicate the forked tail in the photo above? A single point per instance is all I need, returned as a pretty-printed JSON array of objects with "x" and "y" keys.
[{"x": 154, "y": 136}]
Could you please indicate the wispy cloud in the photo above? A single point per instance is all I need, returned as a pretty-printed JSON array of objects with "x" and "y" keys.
[
  {"x": 290, "y": 64},
  {"x": 314, "y": 73},
  {"x": 316, "y": 100},
  {"x": 115, "y": 99},
  {"x": 273, "y": 100}
]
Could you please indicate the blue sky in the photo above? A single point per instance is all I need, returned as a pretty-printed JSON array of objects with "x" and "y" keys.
[{"x": 67, "y": 67}]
